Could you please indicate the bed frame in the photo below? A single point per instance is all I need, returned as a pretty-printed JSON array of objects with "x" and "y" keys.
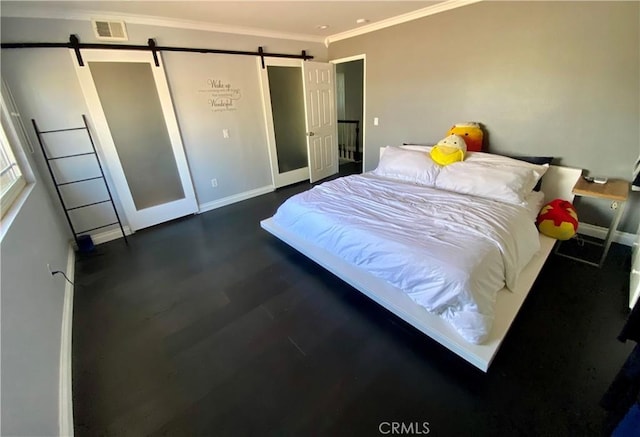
[{"x": 558, "y": 182}]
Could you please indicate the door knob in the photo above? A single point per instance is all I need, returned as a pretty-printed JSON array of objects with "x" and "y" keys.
[{"x": 311, "y": 134}]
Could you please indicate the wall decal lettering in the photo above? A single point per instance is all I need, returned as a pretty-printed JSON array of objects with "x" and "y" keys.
[{"x": 220, "y": 95}]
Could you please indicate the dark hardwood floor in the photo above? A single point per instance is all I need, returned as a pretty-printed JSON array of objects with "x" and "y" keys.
[{"x": 210, "y": 326}]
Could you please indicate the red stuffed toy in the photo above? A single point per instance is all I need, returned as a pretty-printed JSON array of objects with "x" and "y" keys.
[{"x": 558, "y": 219}]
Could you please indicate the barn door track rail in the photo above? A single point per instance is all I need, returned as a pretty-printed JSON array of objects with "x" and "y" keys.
[{"x": 75, "y": 44}]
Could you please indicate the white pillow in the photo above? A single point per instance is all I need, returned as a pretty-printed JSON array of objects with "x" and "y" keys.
[
  {"x": 504, "y": 161},
  {"x": 408, "y": 166},
  {"x": 418, "y": 147},
  {"x": 534, "y": 203},
  {"x": 505, "y": 183}
]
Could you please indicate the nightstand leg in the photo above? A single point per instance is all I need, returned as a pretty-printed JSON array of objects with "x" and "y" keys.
[{"x": 612, "y": 229}]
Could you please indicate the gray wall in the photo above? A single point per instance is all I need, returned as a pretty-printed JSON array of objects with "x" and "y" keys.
[
  {"x": 547, "y": 78},
  {"x": 239, "y": 163},
  {"x": 31, "y": 317}
]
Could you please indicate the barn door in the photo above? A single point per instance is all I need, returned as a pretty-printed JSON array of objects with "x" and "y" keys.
[{"x": 130, "y": 105}]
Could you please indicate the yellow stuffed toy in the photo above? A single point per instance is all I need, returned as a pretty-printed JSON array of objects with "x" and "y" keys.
[
  {"x": 472, "y": 134},
  {"x": 449, "y": 150}
]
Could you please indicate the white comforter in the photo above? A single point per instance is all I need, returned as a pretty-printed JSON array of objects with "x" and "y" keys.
[{"x": 449, "y": 252}]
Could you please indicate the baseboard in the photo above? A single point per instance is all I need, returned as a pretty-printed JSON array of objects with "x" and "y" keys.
[
  {"x": 204, "y": 207},
  {"x": 113, "y": 234},
  {"x": 65, "y": 397},
  {"x": 600, "y": 232}
]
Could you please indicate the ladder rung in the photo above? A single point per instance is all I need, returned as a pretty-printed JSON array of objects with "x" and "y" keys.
[
  {"x": 58, "y": 185},
  {"x": 88, "y": 204},
  {"x": 71, "y": 156},
  {"x": 80, "y": 180},
  {"x": 93, "y": 229},
  {"x": 61, "y": 130}
]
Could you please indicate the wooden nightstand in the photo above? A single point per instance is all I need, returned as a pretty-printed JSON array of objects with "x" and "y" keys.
[{"x": 615, "y": 190}]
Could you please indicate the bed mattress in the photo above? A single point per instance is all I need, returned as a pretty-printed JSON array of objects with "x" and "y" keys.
[{"x": 450, "y": 253}]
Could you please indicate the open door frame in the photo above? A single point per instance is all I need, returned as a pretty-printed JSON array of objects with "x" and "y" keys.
[{"x": 364, "y": 100}]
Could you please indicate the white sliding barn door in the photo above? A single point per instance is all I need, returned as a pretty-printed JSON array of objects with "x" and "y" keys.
[
  {"x": 322, "y": 130},
  {"x": 634, "y": 279},
  {"x": 283, "y": 100},
  {"x": 137, "y": 130}
]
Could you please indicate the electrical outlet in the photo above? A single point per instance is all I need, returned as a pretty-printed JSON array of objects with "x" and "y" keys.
[
  {"x": 225, "y": 133},
  {"x": 376, "y": 121},
  {"x": 49, "y": 269},
  {"x": 214, "y": 183}
]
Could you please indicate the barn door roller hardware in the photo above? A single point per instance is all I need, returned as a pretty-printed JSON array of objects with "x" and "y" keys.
[{"x": 75, "y": 44}]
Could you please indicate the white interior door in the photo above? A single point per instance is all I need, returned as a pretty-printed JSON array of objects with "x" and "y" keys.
[
  {"x": 634, "y": 279},
  {"x": 137, "y": 130},
  {"x": 321, "y": 119}
]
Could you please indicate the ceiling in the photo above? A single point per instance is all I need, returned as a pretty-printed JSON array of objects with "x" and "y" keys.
[{"x": 296, "y": 19}]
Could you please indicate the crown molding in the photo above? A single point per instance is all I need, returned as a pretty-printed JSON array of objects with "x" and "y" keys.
[
  {"x": 45, "y": 12},
  {"x": 399, "y": 19},
  {"x": 86, "y": 15}
]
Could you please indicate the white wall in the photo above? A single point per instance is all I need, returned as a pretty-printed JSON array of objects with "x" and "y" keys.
[
  {"x": 45, "y": 88},
  {"x": 545, "y": 78},
  {"x": 31, "y": 302}
]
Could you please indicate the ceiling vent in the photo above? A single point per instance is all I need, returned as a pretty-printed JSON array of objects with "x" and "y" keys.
[{"x": 110, "y": 30}]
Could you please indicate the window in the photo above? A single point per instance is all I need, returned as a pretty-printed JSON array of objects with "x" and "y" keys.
[
  {"x": 15, "y": 173},
  {"x": 11, "y": 180}
]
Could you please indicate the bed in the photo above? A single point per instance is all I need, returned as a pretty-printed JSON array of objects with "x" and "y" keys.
[{"x": 427, "y": 246}]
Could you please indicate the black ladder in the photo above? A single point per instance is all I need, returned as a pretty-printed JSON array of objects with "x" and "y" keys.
[{"x": 57, "y": 185}]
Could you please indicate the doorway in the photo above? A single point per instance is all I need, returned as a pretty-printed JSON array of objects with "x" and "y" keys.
[
  {"x": 132, "y": 112},
  {"x": 299, "y": 108},
  {"x": 350, "y": 101}
]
